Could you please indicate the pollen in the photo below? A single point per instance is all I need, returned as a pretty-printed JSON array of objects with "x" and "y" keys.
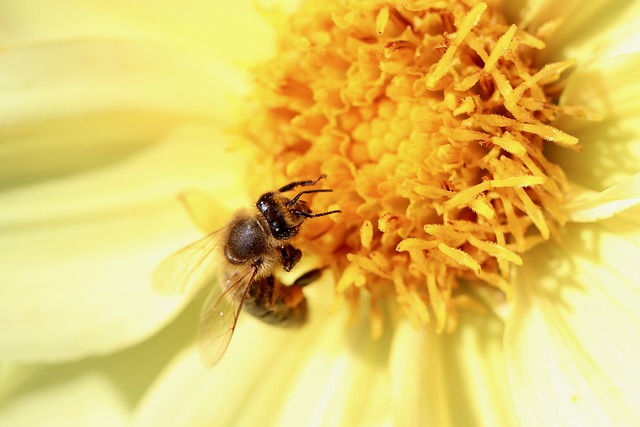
[{"x": 430, "y": 120}]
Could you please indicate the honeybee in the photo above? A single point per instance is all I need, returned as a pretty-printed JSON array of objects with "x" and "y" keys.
[{"x": 247, "y": 251}]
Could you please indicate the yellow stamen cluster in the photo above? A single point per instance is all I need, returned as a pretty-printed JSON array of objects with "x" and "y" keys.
[{"x": 430, "y": 120}]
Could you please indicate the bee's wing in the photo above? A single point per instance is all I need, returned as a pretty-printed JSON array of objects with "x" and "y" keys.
[
  {"x": 219, "y": 315},
  {"x": 189, "y": 269}
]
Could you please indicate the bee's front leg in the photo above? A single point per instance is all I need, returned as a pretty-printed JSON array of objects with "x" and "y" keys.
[{"x": 290, "y": 257}]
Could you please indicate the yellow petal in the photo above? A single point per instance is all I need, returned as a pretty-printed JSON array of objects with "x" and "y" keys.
[
  {"x": 309, "y": 376},
  {"x": 100, "y": 101},
  {"x": 610, "y": 89},
  {"x": 590, "y": 206},
  {"x": 450, "y": 380},
  {"x": 78, "y": 253},
  {"x": 97, "y": 75},
  {"x": 233, "y": 32},
  {"x": 587, "y": 30},
  {"x": 85, "y": 400},
  {"x": 572, "y": 334},
  {"x": 95, "y": 392}
]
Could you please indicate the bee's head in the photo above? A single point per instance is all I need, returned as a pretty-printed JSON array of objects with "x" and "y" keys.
[{"x": 283, "y": 216}]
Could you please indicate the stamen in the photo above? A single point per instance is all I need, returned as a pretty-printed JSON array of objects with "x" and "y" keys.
[{"x": 430, "y": 122}]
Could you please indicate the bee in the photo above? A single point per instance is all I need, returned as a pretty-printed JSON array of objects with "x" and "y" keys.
[{"x": 247, "y": 250}]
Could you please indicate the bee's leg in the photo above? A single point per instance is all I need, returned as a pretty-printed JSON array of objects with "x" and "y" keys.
[
  {"x": 290, "y": 296},
  {"x": 277, "y": 304},
  {"x": 308, "y": 277},
  {"x": 290, "y": 257}
]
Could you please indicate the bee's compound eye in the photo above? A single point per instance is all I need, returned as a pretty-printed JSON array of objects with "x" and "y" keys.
[
  {"x": 265, "y": 204},
  {"x": 246, "y": 241}
]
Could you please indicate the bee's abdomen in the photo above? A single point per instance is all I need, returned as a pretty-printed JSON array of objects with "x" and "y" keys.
[{"x": 274, "y": 303}]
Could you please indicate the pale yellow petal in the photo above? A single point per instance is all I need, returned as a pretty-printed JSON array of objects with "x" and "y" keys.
[
  {"x": 229, "y": 31},
  {"x": 97, "y": 75},
  {"x": 610, "y": 89},
  {"x": 100, "y": 101},
  {"x": 78, "y": 253},
  {"x": 346, "y": 373},
  {"x": 321, "y": 374},
  {"x": 590, "y": 206},
  {"x": 572, "y": 334},
  {"x": 288, "y": 6},
  {"x": 450, "y": 380},
  {"x": 96, "y": 391},
  {"x": 588, "y": 30},
  {"x": 84, "y": 400}
]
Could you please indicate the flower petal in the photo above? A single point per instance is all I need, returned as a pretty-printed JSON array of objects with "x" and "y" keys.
[
  {"x": 98, "y": 102},
  {"x": 98, "y": 75},
  {"x": 590, "y": 206},
  {"x": 611, "y": 153},
  {"x": 228, "y": 31},
  {"x": 96, "y": 391},
  {"x": 78, "y": 253},
  {"x": 310, "y": 376},
  {"x": 588, "y": 30},
  {"x": 88, "y": 399},
  {"x": 571, "y": 337},
  {"x": 450, "y": 380}
]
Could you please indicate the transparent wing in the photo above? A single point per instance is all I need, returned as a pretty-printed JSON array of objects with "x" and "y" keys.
[
  {"x": 189, "y": 269},
  {"x": 219, "y": 315}
]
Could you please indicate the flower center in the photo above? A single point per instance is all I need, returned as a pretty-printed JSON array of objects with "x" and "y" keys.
[{"x": 430, "y": 120}]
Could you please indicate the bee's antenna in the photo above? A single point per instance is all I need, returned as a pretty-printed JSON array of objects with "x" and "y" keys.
[
  {"x": 295, "y": 199},
  {"x": 314, "y": 215},
  {"x": 295, "y": 184}
]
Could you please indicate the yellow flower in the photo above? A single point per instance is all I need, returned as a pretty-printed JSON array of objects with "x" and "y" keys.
[{"x": 474, "y": 285}]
